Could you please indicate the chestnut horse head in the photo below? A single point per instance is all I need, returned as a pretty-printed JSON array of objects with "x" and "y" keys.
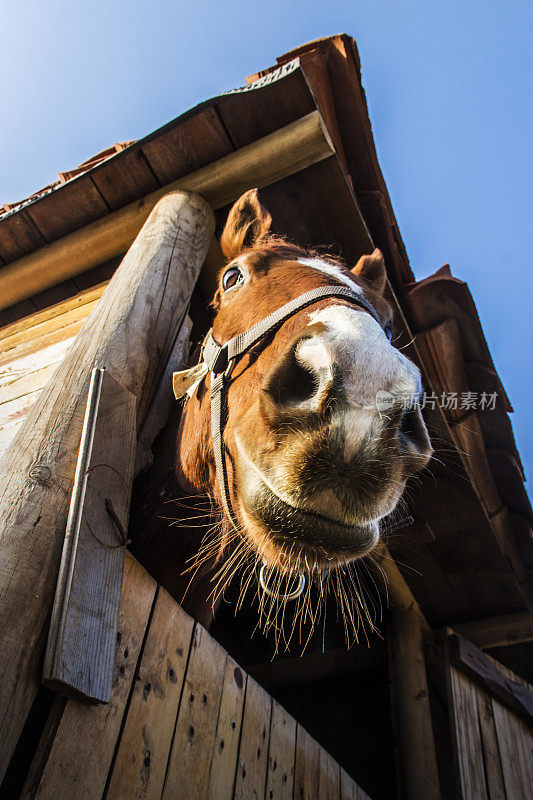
[{"x": 313, "y": 461}]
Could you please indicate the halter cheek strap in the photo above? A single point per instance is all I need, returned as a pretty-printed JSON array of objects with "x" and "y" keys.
[{"x": 219, "y": 359}]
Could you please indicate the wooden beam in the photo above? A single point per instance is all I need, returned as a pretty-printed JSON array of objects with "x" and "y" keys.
[
  {"x": 410, "y": 633},
  {"x": 270, "y": 159},
  {"x": 83, "y": 632},
  {"x": 130, "y": 333},
  {"x": 411, "y": 701},
  {"x": 501, "y": 631},
  {"x": 483, "y": 671}
]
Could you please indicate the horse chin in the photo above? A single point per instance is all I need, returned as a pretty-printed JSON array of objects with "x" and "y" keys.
[{"x": 295, "y": 539}]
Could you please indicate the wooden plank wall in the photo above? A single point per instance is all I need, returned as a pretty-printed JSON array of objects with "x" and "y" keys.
[
  {"x": 184, "y": 721},
  {"x": 31, "y": 349},
  {"x": 494, "y": 747}
]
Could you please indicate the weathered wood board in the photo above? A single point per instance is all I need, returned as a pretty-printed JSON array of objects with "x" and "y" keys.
[
  {"x": 482, "y": 670},
  {"x": 228, "y": 734},
  {"x": 411, "y": 702},
  {"x": 493, "y": 746},
  {"x": 281, "y": 754},
  {"x": 253, "y": 750},
  {"x": 468, "y": 737},
  {"x": 82, "y": 636},
  {"x": 329, "y": 777},
  {"x": 194, "y": 739},
  {"x": 31, "y": 350},
  {"x": 142, "y": 756},
  {"x": 79, "y": 759},
  {"x": 306, "y": 767}
]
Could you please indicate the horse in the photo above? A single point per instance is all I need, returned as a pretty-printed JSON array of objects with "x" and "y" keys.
[{"x": 286, "y": 433}]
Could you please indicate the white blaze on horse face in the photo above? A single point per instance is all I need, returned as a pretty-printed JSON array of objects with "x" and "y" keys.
[
  {"x": 367, "y": 364},
  {"x": 331, "y": 269}
]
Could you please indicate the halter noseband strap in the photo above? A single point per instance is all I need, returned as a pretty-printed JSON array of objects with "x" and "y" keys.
[{"x": 220, "y": 358}]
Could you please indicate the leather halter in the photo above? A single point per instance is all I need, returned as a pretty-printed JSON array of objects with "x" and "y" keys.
[{"x": 220, "y": 360}]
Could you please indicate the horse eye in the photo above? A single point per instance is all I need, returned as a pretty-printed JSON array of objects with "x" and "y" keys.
[
  {"x": 232, "y": 276},
  {"x": 388, "y": 330}
]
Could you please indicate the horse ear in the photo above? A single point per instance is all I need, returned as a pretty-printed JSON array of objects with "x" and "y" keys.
[
  {"x": 248, "y": 224},
  {"x": 372, "y": 269}
]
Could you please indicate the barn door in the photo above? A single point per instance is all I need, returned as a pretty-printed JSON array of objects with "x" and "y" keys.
[{"x": 492, "y": 725}]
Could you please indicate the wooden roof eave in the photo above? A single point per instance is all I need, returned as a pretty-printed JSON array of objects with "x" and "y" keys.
[
  {"x": 187, "y": 143},
  {"x": 333, "y": 70}
]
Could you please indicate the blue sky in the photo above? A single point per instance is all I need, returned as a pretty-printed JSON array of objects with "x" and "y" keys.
[{"x": 449, "y": 87}]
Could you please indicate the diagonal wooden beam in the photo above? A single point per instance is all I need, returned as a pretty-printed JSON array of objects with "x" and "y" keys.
[{"x": 500, "y": 631}]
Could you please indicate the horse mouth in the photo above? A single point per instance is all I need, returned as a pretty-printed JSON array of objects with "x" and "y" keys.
[{"x": 296, "y": 538}]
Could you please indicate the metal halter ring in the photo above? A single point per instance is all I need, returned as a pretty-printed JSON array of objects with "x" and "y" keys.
[{"x": 290, "y": 596}]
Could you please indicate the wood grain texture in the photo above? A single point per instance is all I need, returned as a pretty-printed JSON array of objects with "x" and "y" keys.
[
  {"x": 35, "y": 343},
  {"x": 253, "y": 750},
  {"x": 30, "y": 352},
  {"x": 226, "y": 746},
  {"x": 85, "y": 205},
  {"x": 498, "y": 631},
  {"x": 131, "y": 333},
  {"x": 160, "y": 407},
  {"x": 486, "y": 674},
  {"x": 175, "y": 151},
  {"x": 491, "y": 752},
  {"x": 79, "y": 759},
  {"x": 194, "y": 739},
  {"x": 81, "y": 642},
  {"x": 306, "y": 767},
  {"x": 329, "y": 777},
  {"x": 411, "y": 700},
  {"x": 12, "y": 416},
  {"x": 142, "y": 756},
  {"x": 21, "y": 382},
  {"x": 18, "y": 236},
  {"x": 515, "y": 741},
  {"x": 52, "y": 312},
  {"x": 121, "y": 180},
  {"x": 513, "y": 736},
  {"x": 469, "y": 747},
  {"x": 15, "y": 384},
  {"x": 349, "y": 788},
  {"x": 261, "y": 163},
  {"x": 281, "y": 754}
]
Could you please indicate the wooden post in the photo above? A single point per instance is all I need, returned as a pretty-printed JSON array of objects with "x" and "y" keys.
[
  {"x": 409, "y": 632},
  {"x": 413, "y": 712},
  {"x": 130, "y": 333}
]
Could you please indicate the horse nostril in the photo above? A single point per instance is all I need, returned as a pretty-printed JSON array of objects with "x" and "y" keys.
[
  {"x": 412, "y": 432},
  {"x": 300, "y": 382},
  {"x": 291, "y": 384}
]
